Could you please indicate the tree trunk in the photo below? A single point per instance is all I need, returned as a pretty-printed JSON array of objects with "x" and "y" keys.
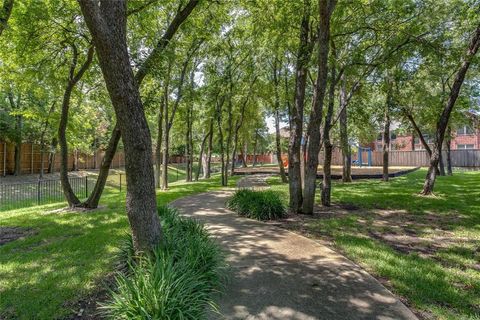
[
  {"x": 343, "y": 123},
  {"x": 448, "y": 144},
  {"x": 296, "y": 114},
  {"x": 327, "y": 144},
  {"x": 73, "y": 79},
  {"x": 412, "y": 143},
  {"x": 18, "y": 145},
  {"x": 441, "y": 165},
  {"x": 51, "y": 155},
  {"x": 255, "y": 142},
  {"x": 158, "y": 147},
  {"x": 220, "y": 139},
  {"x": 107, "y": 25},
  {"x": 42, "y": 142},
  {"x": 442, "y": 123},
  {"x": 314, "y": 136},
  {"x": 208, "y": 163},
  {"x": 229, "y": 138},
  {"x": 19, "y": 131},
  {"x": 201, "y": 159},
  {"x": 189, "y": 145},
  {"x": 94, "y": 198},
  {"x": 165, "y": 147},
  {"x": 234, "y": 153},
  {"x": 279, "y": 147},
  {"x": 244, "y": 155},
  {"x": 386, "y": 136}
]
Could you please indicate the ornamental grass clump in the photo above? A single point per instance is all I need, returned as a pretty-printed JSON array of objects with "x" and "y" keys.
[
  {"x": 177, "y": 282},
  {"x": 260, "y": 205}
]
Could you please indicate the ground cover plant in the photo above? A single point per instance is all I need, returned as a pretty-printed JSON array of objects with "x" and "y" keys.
[
  {"x": 259, "y": 205},
  {"x": 177, "y": 282},
  {"x": 67, "y": 254},
  {"x": 426, "y": 249}
]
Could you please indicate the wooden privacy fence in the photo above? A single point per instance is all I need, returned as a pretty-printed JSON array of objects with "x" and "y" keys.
[
  {"x": 31, "y": 159},
  {"x": 460, "y": 158}
]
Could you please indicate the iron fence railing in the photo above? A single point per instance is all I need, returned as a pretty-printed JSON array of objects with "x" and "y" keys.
[{"x": 23, "y": 194}]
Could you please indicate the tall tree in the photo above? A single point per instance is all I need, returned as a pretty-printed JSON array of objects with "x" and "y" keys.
[
  {"x": 297, "y": 111},
  {"x": 74, "y": 76},
  {"x": 107, "y": 22},
  {"x": 442, "y": 122},
  {"x": 325, "y": 8}
]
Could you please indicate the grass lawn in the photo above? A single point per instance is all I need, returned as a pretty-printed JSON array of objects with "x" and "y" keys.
[
  {"x": 426, "y": 249},
  {"x": 67, "y": 254}
]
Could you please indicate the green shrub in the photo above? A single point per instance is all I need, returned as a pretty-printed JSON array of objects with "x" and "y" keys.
[
  {"x": 260, "y": 205},
  {"x": 177, "y": 282}
]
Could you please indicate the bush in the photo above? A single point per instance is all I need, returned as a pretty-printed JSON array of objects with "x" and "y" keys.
[
  {"x": 177, "y": 282},
  {"x": 260, "y": 205}
]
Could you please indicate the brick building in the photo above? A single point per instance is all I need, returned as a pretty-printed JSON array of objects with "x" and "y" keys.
[{"x": 464, "y": 137}]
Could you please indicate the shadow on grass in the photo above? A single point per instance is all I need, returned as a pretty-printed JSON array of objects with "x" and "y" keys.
[{"x": 42, "y": 275}]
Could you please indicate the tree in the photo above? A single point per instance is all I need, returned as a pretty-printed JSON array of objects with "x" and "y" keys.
[
  {"x": 74, "y": 77},
  {"x": 107, "y": 22},
  {"x": 442, "y": 121},
  {"x": 294, "y": 159},
  {"x": 326, "y": 8}
]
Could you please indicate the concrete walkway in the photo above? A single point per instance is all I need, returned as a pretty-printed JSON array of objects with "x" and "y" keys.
[{"x": 277, "y": 274}]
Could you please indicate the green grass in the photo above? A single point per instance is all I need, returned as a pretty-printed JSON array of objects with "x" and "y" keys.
[
  {"x": 43, "y": 275},
  {"x": 439, "y": 275}
]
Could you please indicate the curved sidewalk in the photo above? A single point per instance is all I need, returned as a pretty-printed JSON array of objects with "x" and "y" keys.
[{"x": 277, "y": 274}]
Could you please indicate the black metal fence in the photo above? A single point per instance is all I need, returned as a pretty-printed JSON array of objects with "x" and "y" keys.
[{"x": 24, "y": 194}]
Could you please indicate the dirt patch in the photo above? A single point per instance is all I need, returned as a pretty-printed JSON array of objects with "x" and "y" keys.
[
  {"x": 9, "y": 234},
  {"x": 87, "y": 307}
]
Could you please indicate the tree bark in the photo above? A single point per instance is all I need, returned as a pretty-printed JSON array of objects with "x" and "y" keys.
[
  {"x": 165, "y": 143},
  {"x": 278, "y": 138},
  {"x": 201, "y": 159},
  {"x": 244, "y": 155},
  {"x": 386, "y": 134},
  {"x": 106, "y": 21},
  {"x": 448, "y": 144},
  {"x": 208, "y": 169},
  {"x": 296, "y": 114},
  {"x": 255, "y": 142},
  {"x": 278, "y": 146},
  {"x": 327, "y": 144},
  {"x": 441, "y": 165},
  {"x": 442, "y": 122},
  {"x": 220, "y": 138},
  {"x": 326, "y": 8},
  {"x": 94, "y": 197},
  {"x": 189, "y": 145},
  {"x": 42, "y": 142},
  {"x": 73, "y": 79},
  {"x": 238, "y": 125},
  {"x": 343, "y": 123},
  {"x": 51, "y": 155},
  {"x": 158, "y": 147},
  {"x": 18, "y": 145}
]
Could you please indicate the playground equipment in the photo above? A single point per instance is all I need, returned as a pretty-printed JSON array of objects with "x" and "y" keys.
[{"x": 360, "y": 159}]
